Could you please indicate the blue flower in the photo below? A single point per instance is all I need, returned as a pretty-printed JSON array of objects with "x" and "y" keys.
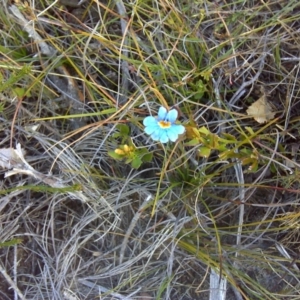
[{"x": 163, "y": 127}]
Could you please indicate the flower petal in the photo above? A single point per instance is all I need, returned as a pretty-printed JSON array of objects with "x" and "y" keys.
[
  {"x": 174, "y": 131},
  {"x": 152, "y": 128},
  {"x": 172, "y": 115},
  {"x": 148, "y": 121},
  {"x": 162, "y": 113},
  {"x": 172, "y": 134},
  {"x": 156, "y": 134},
  {"x": 164, "y": 137},
  {"x": 180, "y": 129}
]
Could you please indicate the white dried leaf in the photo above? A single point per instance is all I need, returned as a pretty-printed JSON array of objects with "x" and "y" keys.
[
  {"x": 261, "y": 110},
  {"x": 17, "y": 171},
  {"x": 9, "y": 158},
  {"x": 14, "y": 159}
]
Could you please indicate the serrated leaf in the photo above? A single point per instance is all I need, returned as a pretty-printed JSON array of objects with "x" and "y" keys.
[
  {"x": 204, "y": 130},
  {"x": 213, "y": 141},
  {"x": 192, "y": 132},
  {"x": 222, "y": 147},
  {"x": 204, "y": 152}
]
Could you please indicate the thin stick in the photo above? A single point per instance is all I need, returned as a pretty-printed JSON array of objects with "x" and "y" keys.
[
  {"x": 123, "y": 88},
  {"x": 11, "y": 283},
  {"x": 131, "y": 227}
]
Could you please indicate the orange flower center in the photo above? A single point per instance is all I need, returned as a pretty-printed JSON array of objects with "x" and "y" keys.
[{"x": 164, "y": 124}]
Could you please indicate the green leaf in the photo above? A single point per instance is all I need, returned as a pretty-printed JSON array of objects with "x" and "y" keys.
[
  {"x": 201, "y": 89},
  {"x": 15, "y": 77},
  {"x": 122, "y": 132},
  {"x": 21, "y": 92},
  {"x": 141, "y": 152},
  {"x": 228, "y": 137},
  {"x": 254, "y": 166},
  {"x": 144, "y": 155},
  {"x": 124, "y": 129},
  {"x": 115, "y": 155},
  {"x": 193, "y": 142},
  {"x": 253, "y": 163},
  {"x": 147, "y": 157},
  {"x": 192, "y": 132},
  {"x": 129, "y": 160},
  {"x": 222, "y": 147},
  {"x": 136, "y": 162},
  {"x": 204, "y": 130},
  {"x": 206, "y": 74},
  {"x": 250, "y": 130},
  {"x": 213, "y": 141},
  {"x": 229, "y": 154},
  {"x": 246, "y": 152},
  {"x": 204, "y": 151}
]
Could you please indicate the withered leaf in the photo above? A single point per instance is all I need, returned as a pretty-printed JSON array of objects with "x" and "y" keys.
[{"x": 261, "y": 110}]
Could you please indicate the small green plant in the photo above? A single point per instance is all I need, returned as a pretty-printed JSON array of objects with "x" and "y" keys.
[
  {"x": 207, "y": 141},
  {"x": 228, "y": 146},
  {"x": 132, "y": 155},
  {"x": 127, "y": 151}
]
